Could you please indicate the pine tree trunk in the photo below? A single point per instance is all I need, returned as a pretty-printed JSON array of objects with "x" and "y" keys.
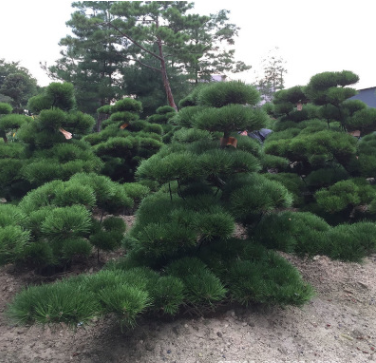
[{"x": 166, "y": 82}]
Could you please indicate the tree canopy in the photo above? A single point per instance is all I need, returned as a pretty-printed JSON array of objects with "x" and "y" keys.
[
  {"x": 114, "y": 40},
  {"x": 16, "y": 85}
]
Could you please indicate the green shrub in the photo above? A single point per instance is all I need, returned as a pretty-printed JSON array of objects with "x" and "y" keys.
[
  {"x": 201, "y": 286},
  {"x": 272, "y": 281},
  {"x": 167, "y": 295},
  {"x": 225, "y": 93},
  {"x": 62, "y": 95},
  {"x": 74, "y": 247},
  {"x": 65, "y": 222},
  {"x": 38, "y": 103},
  {"x": 124, "y": 301},
  {"x": 255, "y": 196},
  {"x": 40, "y": 254},
  {"x": 201, "y": 185},
  {"x": 338, "y": 197},
  {"x": 56, "y": 303},
  {"x": 13, "y": 241},
  {"x": 5, "y": 108},
  {"x": 106, "y": 241},
  {"x": 231, "y": 117},
  {"x": 293, "y": 184},
  {"x": 115, "y": 224},
  {"x": 10, "y": 215},
  {"x": 299, "y": 232},
  {"x": 351, "y": 242},
  {"x": 127, "y": 104}
]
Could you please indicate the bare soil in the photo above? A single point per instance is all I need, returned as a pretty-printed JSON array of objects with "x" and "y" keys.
[{"x": 338, "y": 325}]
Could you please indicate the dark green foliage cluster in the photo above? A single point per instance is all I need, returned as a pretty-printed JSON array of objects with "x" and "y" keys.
[
  {"x": 5, "y": 108},
  {"x": 183, "y": 231},
  {"x": 56, "y": 95},
  {"x": 250, "y": 273},
  {"x": 43, "y": 151},
  {"x": 11, "y": 162},
  {"x": 205, "y": 189},
  {"x": 225, "y": 107},
  {"x": 307, "y": 234},
  {"x": 367, "y": 156},
  {"x": 124, "y": 140},
  {"x": 309, "y": 190},
  {"x": 109, "y": 237},
  {"x": 11, "y": 152},
  {"x": 251, "y": 196},
  {"x": 74, "y": 304},
  {"x": 11, "y": 123},
  {"x": 292, "y": 182},
  {"x": 165, "y": 229},
  {"x": 163, "y": 116},
  {"x": 253, "y": 274},
  {"x": 228, "y": 93},
  {"x": 329, "y": 144},
  {"x": 55, "y": 223},
  {"x": 123, "y": 293},
  {"x": 16, "y": 86}
]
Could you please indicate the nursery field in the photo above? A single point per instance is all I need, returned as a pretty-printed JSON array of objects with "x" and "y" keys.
[
  {"x": 191, "y": 236},
  {"x": 336, "y": 326},
  {"x": 160, "y": 215}
]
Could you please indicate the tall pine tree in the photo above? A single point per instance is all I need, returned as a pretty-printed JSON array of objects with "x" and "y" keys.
[
  {"x": 90, "y": 60},
  {"x": 122, "y": 43}
]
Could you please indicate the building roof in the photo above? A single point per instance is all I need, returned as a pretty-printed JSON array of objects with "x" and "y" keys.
[
  {"x": 366, "y": 95},
  {"x": 218, "y": 78}
]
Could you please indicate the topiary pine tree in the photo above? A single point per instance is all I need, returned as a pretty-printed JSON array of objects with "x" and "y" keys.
[
  {"x": 164, "y": 116},
  {"x": 60, "y": 221},
  {"x": 328, "y": 142},
  {"x": 180, "y": 250},
  {"x": 125, "y": 140},
  {"x": 11, "y": 153},
  {"x": 49, "y": 145}
]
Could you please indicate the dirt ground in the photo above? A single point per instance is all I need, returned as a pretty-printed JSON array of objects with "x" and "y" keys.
[{"x": 338, "y": 325}]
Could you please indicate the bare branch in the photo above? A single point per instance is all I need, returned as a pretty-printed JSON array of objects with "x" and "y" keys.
[
  {"x": 136, "y": 43},
  {"x": 138, "y": 61}
]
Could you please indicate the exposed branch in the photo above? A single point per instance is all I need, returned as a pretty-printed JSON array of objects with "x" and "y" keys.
[
  {"x": 136, "y": 43},
  {"x": 138, "y": 61}
]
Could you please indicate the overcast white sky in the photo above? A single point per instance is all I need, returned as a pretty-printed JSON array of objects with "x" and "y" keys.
[{"x": 312, "y": 36}]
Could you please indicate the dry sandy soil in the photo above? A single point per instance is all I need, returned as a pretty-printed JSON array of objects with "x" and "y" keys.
[{"x": 338, "y": 325}]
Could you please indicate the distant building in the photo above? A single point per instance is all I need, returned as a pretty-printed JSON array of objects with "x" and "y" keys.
[
  {"x": 213, "y": 78},
  {"x": 366, "y": 95},
  {"x": 218, "y": 78}
]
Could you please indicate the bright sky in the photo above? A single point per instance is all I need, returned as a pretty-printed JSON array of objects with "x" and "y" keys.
[{"x": 312, "y": 36}]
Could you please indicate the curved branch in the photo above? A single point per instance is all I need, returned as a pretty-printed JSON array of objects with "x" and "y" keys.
[
  {"x": 136, "y": 43},
  {"x": 138, "y": 61}
]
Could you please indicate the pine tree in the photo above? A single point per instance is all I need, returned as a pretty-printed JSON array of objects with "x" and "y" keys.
[
  {"x": 181, "y": 251},
  {"x": 11, "y": 153},
  {"x": 55, "y": 223},
  {"x": 90, "y": 60},
  {"x": 176, "y": 38},
  {"x": 48, "y": 145},
  {"x": 327, "y": 141},
  {"x": 125, "y": 140},
  {"x": 154, "y": 50},
  {"x": 272, "y": 78},
  {"x": 16, "y": 85}
]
